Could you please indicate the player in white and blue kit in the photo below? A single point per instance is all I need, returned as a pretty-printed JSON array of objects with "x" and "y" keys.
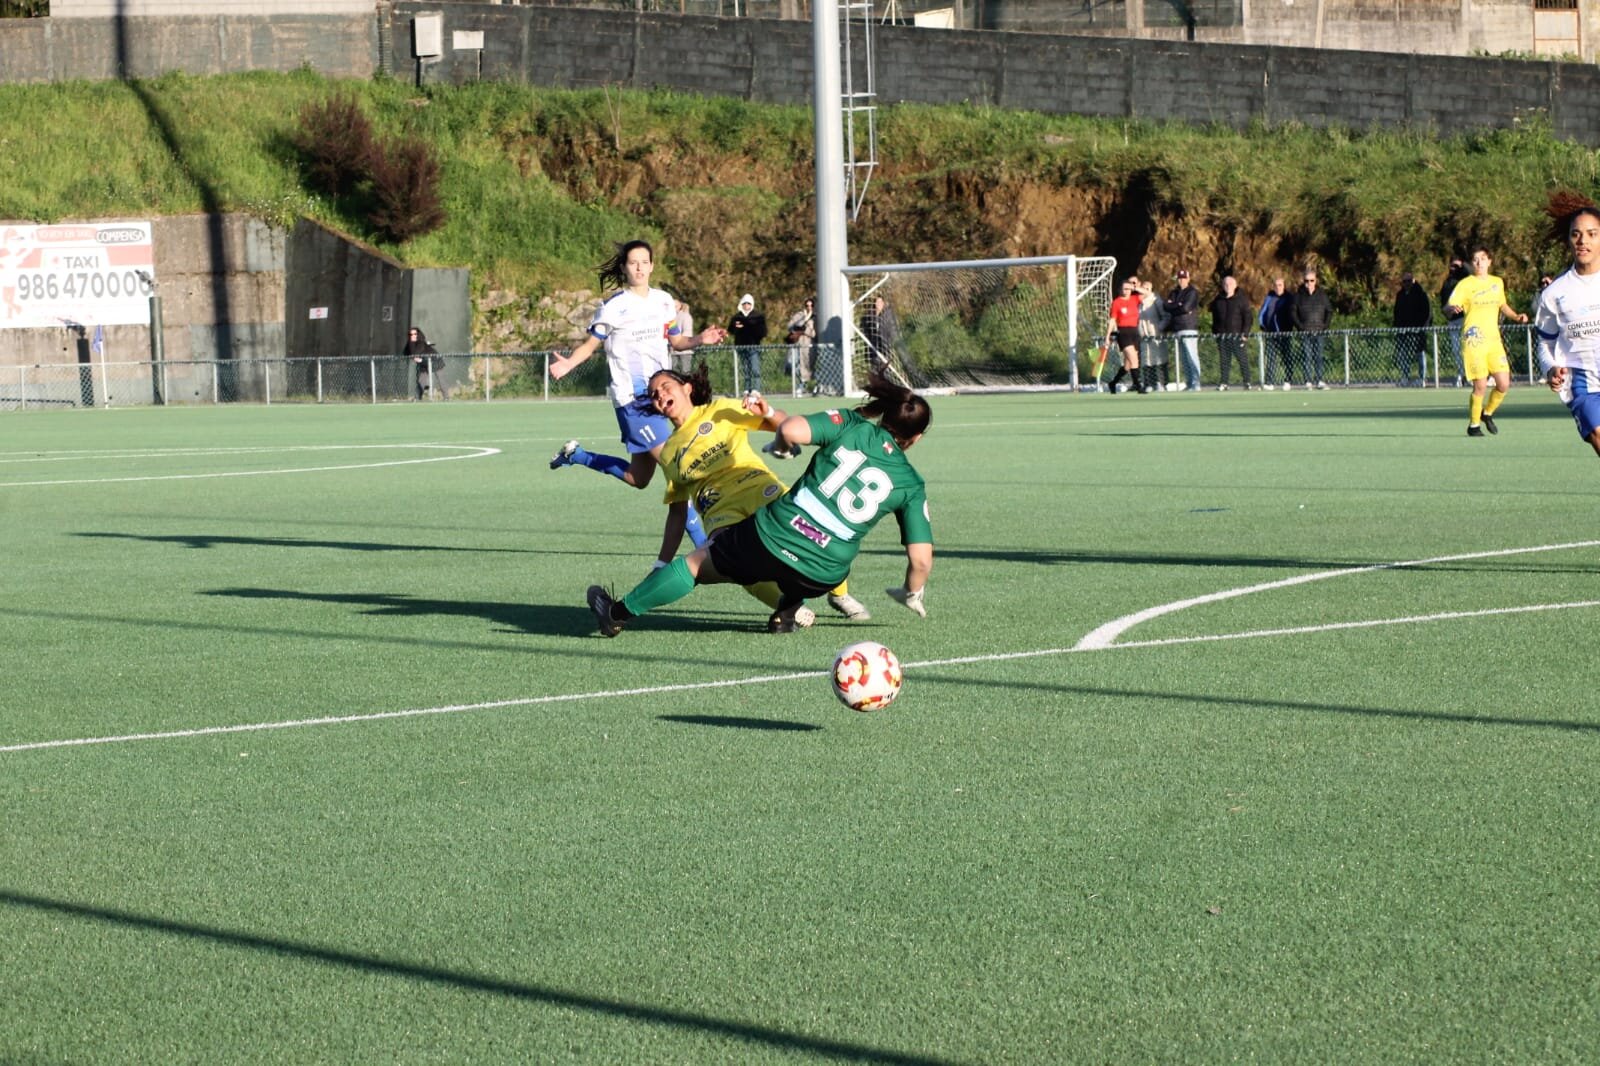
[
  {"x": 638, "y": 326},
  {"x": 1568, "y": 317}
]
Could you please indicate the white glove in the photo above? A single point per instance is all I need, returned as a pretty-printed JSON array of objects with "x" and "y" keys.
[{"x": 911, "y": 601}]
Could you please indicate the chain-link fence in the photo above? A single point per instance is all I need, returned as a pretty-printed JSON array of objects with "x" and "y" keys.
[
  {"x": 775, "y": 369},
  {"x": 1355, "y": 358},
  {"x": 1337, "y": 359}
]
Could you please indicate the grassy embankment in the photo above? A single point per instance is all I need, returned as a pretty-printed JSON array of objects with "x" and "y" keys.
[{"x": 627, "y": 164}]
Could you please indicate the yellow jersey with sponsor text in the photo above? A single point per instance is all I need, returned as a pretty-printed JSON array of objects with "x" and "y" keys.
[{"x": 709, "y": 462}]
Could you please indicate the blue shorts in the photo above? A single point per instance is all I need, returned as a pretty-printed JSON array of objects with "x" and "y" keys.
[
  {"x": 643, "y": 427},
  {"x": 1584, "y": 405}
]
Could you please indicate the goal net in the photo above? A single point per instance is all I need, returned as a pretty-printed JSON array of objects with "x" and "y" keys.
[{"x": 981, "y": 323}]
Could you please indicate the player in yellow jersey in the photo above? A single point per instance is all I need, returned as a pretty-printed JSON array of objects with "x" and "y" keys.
[
  {"x": 709, "y": 462},
  {"x": 1482, "y": 298}
]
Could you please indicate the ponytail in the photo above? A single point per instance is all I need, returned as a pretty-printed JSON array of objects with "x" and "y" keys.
[{"x": 897, "y": 409}]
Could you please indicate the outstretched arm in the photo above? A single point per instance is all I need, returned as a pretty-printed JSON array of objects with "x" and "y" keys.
[
  {"x": 792, "y": 431},
  {"x": 712, "y": 335},
  {"x": 562, "y": 365}
]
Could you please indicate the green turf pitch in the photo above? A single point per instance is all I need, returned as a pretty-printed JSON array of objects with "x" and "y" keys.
[{"x": 1345, "y": 819}]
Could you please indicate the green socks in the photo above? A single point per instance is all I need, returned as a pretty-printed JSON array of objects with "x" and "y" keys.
[{"x": 666, "y": 585}]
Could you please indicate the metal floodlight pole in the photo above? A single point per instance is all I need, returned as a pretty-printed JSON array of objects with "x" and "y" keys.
[{"x": 833, "y": 301}]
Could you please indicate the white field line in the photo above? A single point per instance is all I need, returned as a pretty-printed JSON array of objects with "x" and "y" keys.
[
  {"x": 767, "y": 679},
  {"x": 1105, "y": 636},
  {"x": 1101, "y": 639},
  {"x": 469, "y": 452}
]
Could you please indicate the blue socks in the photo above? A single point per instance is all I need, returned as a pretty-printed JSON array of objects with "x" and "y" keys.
[{"x": 605, "y": 464}]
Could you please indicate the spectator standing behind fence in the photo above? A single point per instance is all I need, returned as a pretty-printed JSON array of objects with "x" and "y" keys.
[
  {"x": 1452, "y": 337},
  {"x": 1183, "y": 322},
  {"x": 427, "y": 361},
  {"x": 1277, "y": 319},
  {"x": 878, "y": 326},
  {"x": 801, "y": 334},
  {"x": 1412, "y": 313},
  {"x": 1312, "y": 314},
  {"x": 1481, "y": 300},
  {"x": 1230, "y": 321},
  {"x": 685, "y": 321},
  {"x": 748, "y": 327},
  {"x": 1124, "y": 333},
  {"x": 1152, "y": 330}
]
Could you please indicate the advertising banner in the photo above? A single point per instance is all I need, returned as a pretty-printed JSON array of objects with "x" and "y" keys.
[{"x": 76, "y": 274}]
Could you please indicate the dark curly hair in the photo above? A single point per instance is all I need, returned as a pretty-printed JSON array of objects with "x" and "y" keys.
[
  {"x": 698, "y": 380},
  {"x": 1564, "y": 207}
]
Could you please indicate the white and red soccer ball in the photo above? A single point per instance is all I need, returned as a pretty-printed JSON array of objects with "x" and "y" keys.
[{"x": 866, "y": 676}]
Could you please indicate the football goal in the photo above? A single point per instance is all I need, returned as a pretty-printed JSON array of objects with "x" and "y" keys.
[{"x": 981, "y": 323}]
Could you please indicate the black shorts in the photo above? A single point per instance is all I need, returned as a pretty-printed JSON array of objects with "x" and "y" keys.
[
  {"x": 1127, "y": 337},
  {"x": 741, "y": 556}
]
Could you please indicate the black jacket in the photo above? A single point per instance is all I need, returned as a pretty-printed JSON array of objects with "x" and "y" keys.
[
  {"x": 1312, "y": 311},
  {"x": 424, "y": 354},
  {"x": 1411, "y": 308},
  {"x": 1231, "y": 314},
  {"x": 1450, "y": 281},
  {"x": 748, "y": 329},
  {"x": 1183, "y": 309}
]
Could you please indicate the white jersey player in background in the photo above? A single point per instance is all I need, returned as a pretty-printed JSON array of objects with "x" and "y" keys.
[
  {"x": 639, "y": 327},
  {"x": 1567, "y": 316}
]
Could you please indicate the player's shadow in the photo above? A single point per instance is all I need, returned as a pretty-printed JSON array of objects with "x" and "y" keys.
[
  {"x": 739, "y": 722},
  {"x": 1060, "y": 557},
  {"x": 212, "y": 540},
  {"x": 572, "y": 620},
  {"x": 1308, "y": 706},
  {"x": 780, "y": 1041}
]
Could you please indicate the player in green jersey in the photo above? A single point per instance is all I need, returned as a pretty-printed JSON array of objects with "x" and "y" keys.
[{"x": 806, "y": 540}]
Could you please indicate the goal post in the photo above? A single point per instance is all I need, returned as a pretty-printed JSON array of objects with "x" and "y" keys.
[{"x": 978, "y": 323}]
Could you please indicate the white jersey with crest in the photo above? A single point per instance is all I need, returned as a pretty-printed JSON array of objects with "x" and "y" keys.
[
  {"x": 635, "y": 331},
  {"x": 1568, "y": 320}
]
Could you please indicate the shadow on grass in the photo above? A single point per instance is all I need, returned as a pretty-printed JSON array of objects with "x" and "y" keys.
[
  {"x": 573, "y": 620},
  {"x": 1111, "y": 557},
  {"x": 597, "y": 648},
  {"x": 764, "y": 1036},
  {"x": 738, "y": 722},
  {"x": 923, "y": 676},
  {"x": 208, "y": 540}
]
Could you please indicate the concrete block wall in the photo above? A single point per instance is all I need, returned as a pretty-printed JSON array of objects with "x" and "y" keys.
[
  {"x": 182, "y": 8},
  {"x": 57, "y": 49},
  {"x": 233, "y": 287},
  {"x": 1159, "y": 79}
]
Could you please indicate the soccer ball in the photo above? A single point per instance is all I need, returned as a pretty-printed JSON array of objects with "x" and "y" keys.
[{"x": 866, "y": 676}]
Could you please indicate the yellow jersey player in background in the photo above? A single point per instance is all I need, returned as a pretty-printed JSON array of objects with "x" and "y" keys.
[
  {"x": 709, "y": 463},
  {"x": 1482, "y": 297}
]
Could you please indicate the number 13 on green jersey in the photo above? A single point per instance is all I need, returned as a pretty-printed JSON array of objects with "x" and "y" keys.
[{"x": 857, "y": 475}]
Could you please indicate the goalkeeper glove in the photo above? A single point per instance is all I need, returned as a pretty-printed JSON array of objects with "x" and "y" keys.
[{"x": 911, "y": 601}]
